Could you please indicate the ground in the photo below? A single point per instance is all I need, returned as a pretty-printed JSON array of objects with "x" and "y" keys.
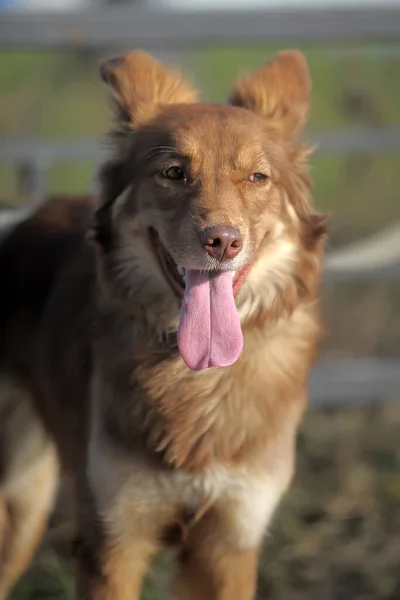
[{"x": 335, "y": 537}]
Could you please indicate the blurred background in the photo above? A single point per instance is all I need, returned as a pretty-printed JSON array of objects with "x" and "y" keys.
[{"x": 337, "y": 534}]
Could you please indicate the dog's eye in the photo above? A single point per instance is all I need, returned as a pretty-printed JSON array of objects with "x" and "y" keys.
[
  {"x": 258, "y": 178},
  {"x": 174, "y": 173}
]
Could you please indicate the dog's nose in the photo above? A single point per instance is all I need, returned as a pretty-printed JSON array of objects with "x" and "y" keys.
[{"x": 222, "y": 242}]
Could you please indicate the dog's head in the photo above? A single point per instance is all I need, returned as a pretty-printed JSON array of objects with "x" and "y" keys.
[{"x": 205, "y": 210}]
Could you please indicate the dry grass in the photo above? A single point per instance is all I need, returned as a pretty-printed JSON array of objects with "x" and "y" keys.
[{"x": 337, "y": 534}]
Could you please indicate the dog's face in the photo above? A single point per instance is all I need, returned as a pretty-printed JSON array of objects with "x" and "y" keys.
[{"x": 206, "y": 208}]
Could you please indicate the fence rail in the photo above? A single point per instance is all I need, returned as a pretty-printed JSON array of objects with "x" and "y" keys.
[
  {"x": 376, "y": 258},
  {"x": 174, "y": 29},
  {"x": 33, "y": 157},
  {"x": 361, "y": 141},
  {"x": 355, "y": 381}
]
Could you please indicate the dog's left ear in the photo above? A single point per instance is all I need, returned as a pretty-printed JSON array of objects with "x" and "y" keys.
[
  {"x": 141, "y": 86},
  {"x": 279, "y": 91}
]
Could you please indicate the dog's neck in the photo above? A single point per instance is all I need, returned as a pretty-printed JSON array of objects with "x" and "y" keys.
[{"x": 184, "y": 417}]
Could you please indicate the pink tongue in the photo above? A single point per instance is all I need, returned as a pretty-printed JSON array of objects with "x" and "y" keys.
[{"x": 209, "y": 333}]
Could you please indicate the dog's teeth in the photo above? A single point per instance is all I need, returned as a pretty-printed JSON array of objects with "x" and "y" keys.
[{"x": 181, "y": 270}]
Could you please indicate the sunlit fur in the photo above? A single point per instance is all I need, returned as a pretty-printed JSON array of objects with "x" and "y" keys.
[{"x": 159, "y": 454}]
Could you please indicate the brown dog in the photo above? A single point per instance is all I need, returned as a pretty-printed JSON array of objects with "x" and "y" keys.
[{"x": 167, "y": 351}]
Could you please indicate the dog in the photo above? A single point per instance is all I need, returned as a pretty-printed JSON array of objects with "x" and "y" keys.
[
  {"x": 32, "y": 242},
  {"x": 162, "y": 334}
]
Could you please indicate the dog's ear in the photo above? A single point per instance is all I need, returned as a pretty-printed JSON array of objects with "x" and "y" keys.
[
  {"x": 279, "y": 91},
  {"x": 140, "y": 86}
]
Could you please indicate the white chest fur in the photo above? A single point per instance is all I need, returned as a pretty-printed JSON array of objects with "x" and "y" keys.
[{"x": 130, "y": 492}]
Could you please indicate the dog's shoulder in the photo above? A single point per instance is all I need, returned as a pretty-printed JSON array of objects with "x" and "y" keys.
[
  {"x": 37, "y": 243},
  {"x": 40, "y": 241}
]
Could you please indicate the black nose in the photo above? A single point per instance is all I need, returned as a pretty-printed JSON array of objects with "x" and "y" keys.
[{"x": 222, "y": 242}]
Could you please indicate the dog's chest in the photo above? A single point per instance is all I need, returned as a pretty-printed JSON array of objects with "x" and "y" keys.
[
  {"x": 132, "y": 491},
  {"x": 142, "y": 482}
]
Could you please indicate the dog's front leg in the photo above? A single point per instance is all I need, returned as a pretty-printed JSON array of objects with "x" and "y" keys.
[
  {"x": 223, "y": 574},
  {"x": 113, "y": 571},
  {"x": 215, "y": 566}
]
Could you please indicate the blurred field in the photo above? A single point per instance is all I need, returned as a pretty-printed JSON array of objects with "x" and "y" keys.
[{"x": 337, "y": 535}]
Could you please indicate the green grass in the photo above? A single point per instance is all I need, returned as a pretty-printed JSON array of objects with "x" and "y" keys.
[
  {"x": 71, "y": 178},
  {"x": 333, "y": 76},
  {"x": 50, "y": 577}
]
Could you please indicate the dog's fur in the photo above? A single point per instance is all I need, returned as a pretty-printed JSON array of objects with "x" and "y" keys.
[{"x": 160, "y": 454}]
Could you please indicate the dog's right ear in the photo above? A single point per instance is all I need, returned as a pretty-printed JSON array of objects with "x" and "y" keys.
[
  {"x": 279, "y": 92},
  {"x": 141, "y": 86}
]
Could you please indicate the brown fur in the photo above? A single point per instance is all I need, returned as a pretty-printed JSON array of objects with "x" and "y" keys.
[
  {"x": 158, "y": 452},
  {"x": 25, "y": 512}
]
